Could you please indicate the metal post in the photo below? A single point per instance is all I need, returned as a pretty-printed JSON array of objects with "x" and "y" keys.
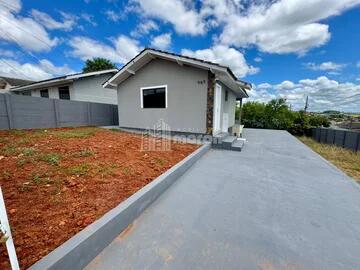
[
  {"x": 240, "y": 111},
  {"x": 5, "y": 228}
]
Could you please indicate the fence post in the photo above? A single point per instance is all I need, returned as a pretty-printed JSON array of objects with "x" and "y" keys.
[
  {"x": 88, "y": 108},
  {"x": 344, "y": 139},
  {"x": 357, "y": 148},
  {"x": 56, "y": 112},
  {"x": 9, "y": 110}
]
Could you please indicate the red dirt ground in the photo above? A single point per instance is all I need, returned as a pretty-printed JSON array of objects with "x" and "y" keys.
[{"x": 58, "y": 181}]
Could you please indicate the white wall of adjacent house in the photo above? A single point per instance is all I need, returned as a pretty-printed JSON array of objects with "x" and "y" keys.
[
  {"x": 84, "y": 89},
  {"x": 90, "y": 89}
]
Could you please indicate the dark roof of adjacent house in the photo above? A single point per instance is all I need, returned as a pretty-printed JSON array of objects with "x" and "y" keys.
[
  {"x": 62, "y": 79},
  {"x": 15, "y": 81}
]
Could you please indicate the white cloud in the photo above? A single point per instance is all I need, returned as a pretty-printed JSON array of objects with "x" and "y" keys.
[
  {"x": 358, "y": 64},
  {"x": 113, "y": 16},
  {"x": 48, "y": 22},
  {"x": 284, "y": 26},
  {"x": 264, "y": 86},
  {"x": 144, "y": 28},
  {"x": 24, "y": 31},
  {"x": 181, "y": 14},
  {"x": 258, "y": 59},
  {"x": 323, "y": 94},
  {"x": 226, "y": 56},
  {"x": 325, "y": 66},
  {"x": 41, "y": 71},
  {"x": 121, "y": 51},
  {"x": 162, "y": 41},
  {"x": 285, "y": 85}
]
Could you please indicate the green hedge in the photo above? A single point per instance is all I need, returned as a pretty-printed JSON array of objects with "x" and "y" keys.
[{"x": 277, "y": 115}]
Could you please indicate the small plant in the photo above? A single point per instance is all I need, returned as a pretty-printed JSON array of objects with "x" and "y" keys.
[
  {"x": 81, "y": 169},
  {"x": 28, "y": 152},
  {"x": 76, "y": 133},
  {"x": 10, "y": 149},
  {"x": 159, "y": 161},
  {"x": 126, "y": 170},
  {"x": 17, "y": 132},
  {"x": 84, "y": 153},
  {"x": 51, "y": 158},
  {"x": 36, "y": 179}
]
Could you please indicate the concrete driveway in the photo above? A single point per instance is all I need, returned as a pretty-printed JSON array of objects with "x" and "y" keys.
[{"x": 275, "y": 205}]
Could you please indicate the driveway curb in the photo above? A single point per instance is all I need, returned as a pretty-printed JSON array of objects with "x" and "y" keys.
[{"x": 79, "y": 250}]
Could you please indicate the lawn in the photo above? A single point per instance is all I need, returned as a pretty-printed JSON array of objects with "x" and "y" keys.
[
  {"x": 346, "y": 160},
  {"x": 58, "y": 181}
]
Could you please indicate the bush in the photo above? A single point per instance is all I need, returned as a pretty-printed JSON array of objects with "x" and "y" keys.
[{"x": 277, "y": 115}]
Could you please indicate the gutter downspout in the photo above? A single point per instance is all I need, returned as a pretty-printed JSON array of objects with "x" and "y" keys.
[{"x": 240, "y": 115}]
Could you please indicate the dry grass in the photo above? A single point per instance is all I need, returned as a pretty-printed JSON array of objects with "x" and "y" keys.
[{"x": 346, "y": 160}]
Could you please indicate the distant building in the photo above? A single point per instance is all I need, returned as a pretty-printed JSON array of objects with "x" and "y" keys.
[
  {"x": 79, "y": 87},
  {"x": 6, "y": 83}
]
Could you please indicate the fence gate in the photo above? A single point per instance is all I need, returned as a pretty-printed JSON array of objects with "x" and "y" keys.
[{"x": 6, "y": 234}]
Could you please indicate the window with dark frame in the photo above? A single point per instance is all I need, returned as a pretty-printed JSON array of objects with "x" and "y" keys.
[
  {"x": 44, "y": 93},
  {"x": 226, "y": 95},
  {"x": 154, "y": 98},
  {"x": 64, "y": 92}
]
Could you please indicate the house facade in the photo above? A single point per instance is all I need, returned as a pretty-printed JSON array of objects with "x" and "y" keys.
[
  {"x": 190, "y": 95},
  {"x": 79, "y": 87}
]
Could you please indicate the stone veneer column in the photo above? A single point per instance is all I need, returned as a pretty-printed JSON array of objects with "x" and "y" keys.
[{"x": 210, "y": 103}]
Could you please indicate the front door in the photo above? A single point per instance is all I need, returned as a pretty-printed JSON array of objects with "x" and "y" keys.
[{"x": 217, "y": 110}]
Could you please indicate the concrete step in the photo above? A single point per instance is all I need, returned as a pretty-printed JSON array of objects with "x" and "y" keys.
[
  {"x": 237, "y": 145},
  {"x": 228, "y": 141}
]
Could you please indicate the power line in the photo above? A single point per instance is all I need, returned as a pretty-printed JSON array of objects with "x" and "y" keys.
[
  {"x": 39, "y": 39},
  {"x": 16, "y": 69}
]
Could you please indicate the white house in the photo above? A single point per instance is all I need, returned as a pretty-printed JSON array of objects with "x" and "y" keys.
[
  {"x": 80, "y": 87},
  {"x": 190, "y": 95}
]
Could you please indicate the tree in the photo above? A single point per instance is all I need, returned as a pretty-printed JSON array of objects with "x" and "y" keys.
[{"x": 97, "y": 64}]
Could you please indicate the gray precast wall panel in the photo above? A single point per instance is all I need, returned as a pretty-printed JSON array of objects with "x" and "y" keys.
[
  {"x": 32, "y": 112},
  {"x": 73, "y": 113},
  {"x": 339, "y": 137},
  {"x": 351, "y": 140},
  {"x": 4, "y": 120},
  {"x": 323, "y": 135},
  {"x": 330, "y": 136},
  {"x": 101, "y": 113}
]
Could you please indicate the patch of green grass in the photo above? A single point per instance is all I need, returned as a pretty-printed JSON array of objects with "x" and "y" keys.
[
  {"x": 36, "y": 179},
  {"x": 10, "y": 149},
  {"x": 76, "y": 133},
  {"x": 16, "y": 132},
  {"x": 346, "y": 160},
  {"x": 21, "y": 162},
  {"x": 28, "y": 152},
  {"x": 81, "y": 169},
  {"x": 51, "y": 158},
  {"x": 115, "y": 130},
  {"x": 83, "y": 153},
  {"x": 104, "y": 170}
]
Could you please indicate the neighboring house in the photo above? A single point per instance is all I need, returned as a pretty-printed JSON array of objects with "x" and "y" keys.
[
  {"x": 190, "y": 95},
  {"x": 80, "y": 87},
  {"x": 6, "y": 83}
]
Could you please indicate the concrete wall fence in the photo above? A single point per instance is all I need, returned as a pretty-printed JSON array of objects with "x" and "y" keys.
[
  {"x": 339, "y": 137},
  {"x": 25, "y": 112}
]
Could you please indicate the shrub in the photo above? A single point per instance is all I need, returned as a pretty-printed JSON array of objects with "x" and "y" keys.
[{"x": 277, "y": 115}]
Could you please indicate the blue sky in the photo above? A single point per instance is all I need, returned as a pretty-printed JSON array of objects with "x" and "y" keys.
[{"x": 285, "y": 48}]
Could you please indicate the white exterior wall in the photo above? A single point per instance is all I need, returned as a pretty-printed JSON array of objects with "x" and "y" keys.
[
  {"x": 85, "y": 89},
  {"x": 228, "y": 107},
  {"x": 90, "y": 89}
]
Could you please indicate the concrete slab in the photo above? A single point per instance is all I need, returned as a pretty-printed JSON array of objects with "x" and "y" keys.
[{"x": 275, "y": 205}]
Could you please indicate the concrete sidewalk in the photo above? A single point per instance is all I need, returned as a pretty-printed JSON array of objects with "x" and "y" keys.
[{"x": 275, "y": 205}]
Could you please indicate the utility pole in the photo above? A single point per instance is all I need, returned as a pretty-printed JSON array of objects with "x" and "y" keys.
[{"x": 306, "y": 103}]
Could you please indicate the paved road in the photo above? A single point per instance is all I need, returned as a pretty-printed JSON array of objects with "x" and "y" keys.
[{"x": 275, "y": 205}]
